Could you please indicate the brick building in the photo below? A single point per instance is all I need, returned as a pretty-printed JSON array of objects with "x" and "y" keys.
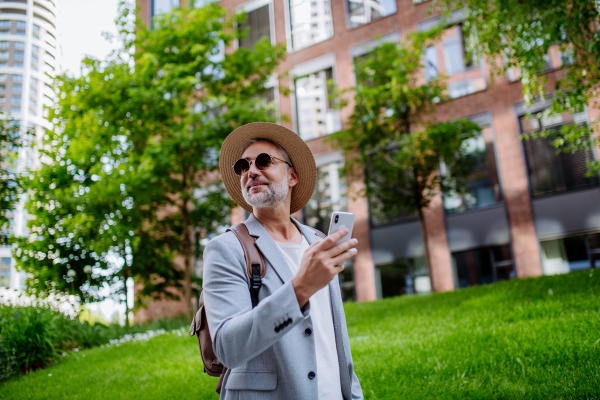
[{"x": 528, "y": 212}]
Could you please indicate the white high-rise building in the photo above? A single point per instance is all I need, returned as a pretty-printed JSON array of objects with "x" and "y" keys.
[{"x": 29, "y": 51}]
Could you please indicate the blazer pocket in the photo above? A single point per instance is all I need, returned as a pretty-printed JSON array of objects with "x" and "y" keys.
[{"x": 248, "y": 380}]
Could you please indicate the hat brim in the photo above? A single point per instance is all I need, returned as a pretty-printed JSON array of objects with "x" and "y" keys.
[{"x": 298, "y": 151}]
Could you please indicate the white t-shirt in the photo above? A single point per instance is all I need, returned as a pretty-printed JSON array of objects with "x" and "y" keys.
[{"x": 328, "y": 370}]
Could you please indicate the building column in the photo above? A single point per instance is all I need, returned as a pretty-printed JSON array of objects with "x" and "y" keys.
[
  {"x": 511, "y": 164},
  {"x": 438, "y": 257},
  {"x": 364, "y": 268}
]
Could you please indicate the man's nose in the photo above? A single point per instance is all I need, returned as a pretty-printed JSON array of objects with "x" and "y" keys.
[{"x": 253, "y": 171}]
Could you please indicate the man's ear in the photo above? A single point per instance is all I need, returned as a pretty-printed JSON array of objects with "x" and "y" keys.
[{"x": 292, "y": 177}]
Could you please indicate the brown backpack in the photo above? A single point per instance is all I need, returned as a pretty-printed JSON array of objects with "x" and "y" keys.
[{"x": 255, "y": 267}]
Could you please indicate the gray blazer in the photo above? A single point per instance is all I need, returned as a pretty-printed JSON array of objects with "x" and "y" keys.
[{"x": 265, "y": 363}]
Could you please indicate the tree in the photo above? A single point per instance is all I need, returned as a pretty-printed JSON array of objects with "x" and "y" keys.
[
  {"x": 392, "y": 136},
  {"x": 10, "y": 141},
  {"x": 518, "y": 34},
  {"x": 130, "y": 171}
]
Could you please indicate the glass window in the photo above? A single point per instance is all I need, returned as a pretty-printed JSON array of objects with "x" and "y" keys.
[
  {"x": 4, "y": 45},
  {"x": 19, "y": 45},
  {"x": 17, "y": 78},
  {"x": 364, "y": 11},
  {"x": 4, "y": 32},
  {"x": 571, "y": 253},
  {"x": 432, "y": 65},
  {"x": 18, "y": 64},
  {"x": 32, "y": 103},
  {"x": 5, "y": 272},
  {"x": 19, "y": 55},
  {"x": 408, "y": 276},
  {"x": 310, "y": 22},
  {"x": 4, "y": 24},
  {"x": 549, "y": 172},
  {"x": 20, "y": 33},
  {"x": 32, "y": 92},
  {"x": 163, "y": 6},
  {"x": 3, "y": 64},
  {"x": 453, "y": 55},
  {"x": 330, "y": 195},
  {"x": 2, "y": 88},
  {"x": 34, "y": 59},
  {"x": 34, "y": 81},
  {"x": 21, "y": 25},
  {"x": 316, "y": 116},
  {"x": 17, "y": 88},
  {"x": 2, "y": 77},
  {"x": 36, "y": 28},
  {"x": 35, "y": 48},
  {"x": 483, "y": 188},
  {"x": 15, "y": 100},
  {"x": 4, "y": 55},
  {"x": 256, "y": 26},
  {"x": 483, "y": 265},
  {"x": 15, "y": 110}
]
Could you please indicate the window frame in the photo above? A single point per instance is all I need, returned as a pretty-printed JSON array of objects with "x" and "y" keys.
[
  {"x": 252, "y": 5},
  {"x": 288, "y": 28},
  {"x": 349, "y": 26}
]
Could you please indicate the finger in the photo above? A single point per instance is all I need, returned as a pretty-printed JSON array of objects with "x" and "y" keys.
[
  {"x": 344, "y": 256},
  {"x": 342, "y": 247},
  {"x": 338, "y": 268},
  {"x": 330, "y": 240}
]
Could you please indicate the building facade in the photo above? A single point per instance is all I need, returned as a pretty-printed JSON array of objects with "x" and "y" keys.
[
  {"x": 528, "y": 210},
  {"x": 30, "y": 54}
]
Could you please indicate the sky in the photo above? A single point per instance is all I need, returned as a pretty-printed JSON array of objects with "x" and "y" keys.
[{"x": 83, "y": 22}]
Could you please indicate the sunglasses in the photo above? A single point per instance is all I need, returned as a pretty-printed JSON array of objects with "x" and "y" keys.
[{"x": 262, "y": 162}]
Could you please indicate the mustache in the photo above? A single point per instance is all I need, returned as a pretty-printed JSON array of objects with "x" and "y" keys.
[{"x": 263, "y": 180}]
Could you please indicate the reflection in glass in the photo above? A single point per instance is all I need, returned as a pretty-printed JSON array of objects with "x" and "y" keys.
[
  {"x": 316, "y": 116},
  {"x": 163, "y": 6},
  {"x": 330, "y": 195},
  {"x": 364, "y": 11},
  {"x": 483, "y": 188},
  {"x": 256, "y": 26},
  {"x": 432, "y": 65},
  {"x": 310, "y": 21},
  {"x": 483, "y": 265},
  {"x": 407, "y": 276}
]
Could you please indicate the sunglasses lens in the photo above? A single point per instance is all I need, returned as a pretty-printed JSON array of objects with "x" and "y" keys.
[
  {"x": 241, "y": 166},
  {"x": 263, "y": 161}
]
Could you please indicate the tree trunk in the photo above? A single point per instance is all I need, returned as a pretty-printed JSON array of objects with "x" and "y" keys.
[
  {"x": 186, "y": 252},
  {"x": 126, "y": 299},
  {"x": 424, "y": 233}
]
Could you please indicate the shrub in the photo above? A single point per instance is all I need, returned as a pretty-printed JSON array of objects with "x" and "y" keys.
[{"x": 33, "y": 337}]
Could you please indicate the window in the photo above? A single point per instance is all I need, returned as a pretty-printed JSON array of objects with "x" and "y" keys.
[
  {"x": 32, "y": 92},
  {"x": 4, "y": 24},
  {"x": 17, "y": 89},
  {"x": 310, "y": 22},
  {"x": 34, "y": 81},
  {"x": 18, "y": 64},
  {"x": 330, "y": 195},
  {"x": 483, "y": 188},
  {"x": 20, "y": 33},
  {"x": 572, "y": 253},
  {"x": 19, "y": 55},
  {"x": 483, "y": 265},
  {"x": 316, "y": 116},
  {"x": 5, "y": 264},
  {"x": 15, "y": 110},
  {"x": 34, "y": 59},
  {"x": 36, "y": 28},
  {"x": 455, "y": 58},
  {"x": 163, "y": 6},
  {"x": 551, "y": 173},
  {"x": 4, "y": 55},
  {"x": 2, "y": 77},
  {"x": 2, "y": 88},
  {"x": 408, "y": 276},
  {"x": 3, "y": 64},
  {"x": 256, "y": 26},
  {"x": 364, "y": 11},
  {"x": 19, "y": 45},
  {"x": 4, "y": 32},
  {"x": 15, "y": 100},
  {"x": 35, "y": 48},
  {"x": 4, "y": 45},
  {"x": 17, "y": 78},
  {"x": 21, "y": 25},
  {"x": 432, "y": 65}
]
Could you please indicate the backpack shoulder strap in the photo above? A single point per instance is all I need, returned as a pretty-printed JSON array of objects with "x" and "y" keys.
[{"x": 255, "y": 265}]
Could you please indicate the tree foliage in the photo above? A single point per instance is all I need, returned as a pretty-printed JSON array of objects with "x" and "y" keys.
[
  {"x": 129, "y": 174},
  {"x": 11, "y": 139},
  {"x": 519, "y": 34},
  {"x": 392, "y": 134}
]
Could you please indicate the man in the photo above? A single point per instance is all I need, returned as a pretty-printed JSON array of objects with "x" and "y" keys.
[{"x": 294, "y": 343}]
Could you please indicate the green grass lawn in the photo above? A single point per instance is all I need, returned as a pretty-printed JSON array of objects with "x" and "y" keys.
[{"x": 523, "y": 339}]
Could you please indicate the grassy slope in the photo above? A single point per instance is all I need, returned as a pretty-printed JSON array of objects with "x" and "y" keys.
[{"x": 533, "y": 339}]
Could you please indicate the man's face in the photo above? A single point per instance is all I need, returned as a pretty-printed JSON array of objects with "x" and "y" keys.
[{"x": 270, "y": 187}]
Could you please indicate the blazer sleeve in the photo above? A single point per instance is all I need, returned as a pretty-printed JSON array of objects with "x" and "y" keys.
[{"x": 239, "y": 332}]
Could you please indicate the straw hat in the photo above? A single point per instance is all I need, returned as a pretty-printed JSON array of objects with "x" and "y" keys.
[{"x": 301, "y": 156}]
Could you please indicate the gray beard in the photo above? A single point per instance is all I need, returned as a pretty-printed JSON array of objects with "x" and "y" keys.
[{"x": 274, "y": 196}]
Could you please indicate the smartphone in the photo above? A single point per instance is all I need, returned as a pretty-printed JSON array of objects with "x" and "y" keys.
[{"x": 339, "y": 219}]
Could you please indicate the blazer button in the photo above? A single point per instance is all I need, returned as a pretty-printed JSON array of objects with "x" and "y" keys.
[
  {"x": 285, "y": 323},
  {"x": 277, "y": 329},
  {"x": 311, "y": 375},
  {"x": 307, "y": 331},
  {"x": 290, "y": 320}
]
